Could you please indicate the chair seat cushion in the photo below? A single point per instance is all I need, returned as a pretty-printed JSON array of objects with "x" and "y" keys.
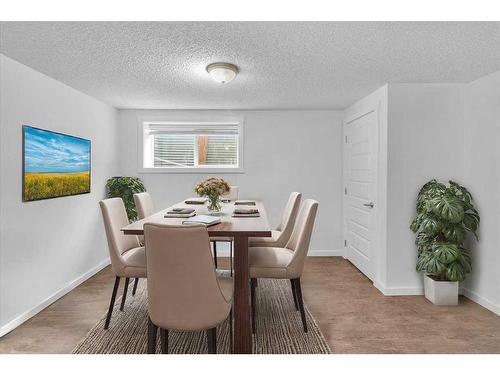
[
  {"x": 135, "y": 262},
  {"x": 269, "y": 262},
  {"x": 265, "y": 241}
]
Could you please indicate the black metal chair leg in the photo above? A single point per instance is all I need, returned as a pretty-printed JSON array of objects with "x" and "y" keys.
[
  {"x": 135, "y": 286},
  {"x": 112, "y": 302},
  {"x": 253, "y": 284},
  {"x": 294, "y": 292},
  {"x": 212, "y": 340},
  {"x": 164, "y": 340},
  {"x": 152, "y": 329},
  {"x": 215, "y": 253},
  {"x": 125, "y": 289},
  {"x": 298, "y": 290}
]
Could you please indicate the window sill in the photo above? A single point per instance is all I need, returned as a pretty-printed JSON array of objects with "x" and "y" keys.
[{"x": 191, "y": 170}]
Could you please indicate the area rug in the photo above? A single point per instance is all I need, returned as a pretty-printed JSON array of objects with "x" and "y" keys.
[{"x": 278, "y": 330}]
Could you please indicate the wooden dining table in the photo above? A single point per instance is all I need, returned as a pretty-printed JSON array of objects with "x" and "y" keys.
[{"x": 240, "y": 229}]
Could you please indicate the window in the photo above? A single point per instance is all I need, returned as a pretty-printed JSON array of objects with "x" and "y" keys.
[{"x": 192, "y": 146}]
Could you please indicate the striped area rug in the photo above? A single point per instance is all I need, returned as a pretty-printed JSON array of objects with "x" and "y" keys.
[{"x": 279, "y": 328}]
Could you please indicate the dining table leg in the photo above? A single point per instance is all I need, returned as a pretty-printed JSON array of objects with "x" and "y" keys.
[{"x": 242, "y": 334}]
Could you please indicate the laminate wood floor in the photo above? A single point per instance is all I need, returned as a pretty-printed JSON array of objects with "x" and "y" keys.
[{"x": 352, "y": 314}]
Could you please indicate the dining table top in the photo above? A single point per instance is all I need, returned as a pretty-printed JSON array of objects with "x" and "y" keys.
[{"x": 229, "y": 225}]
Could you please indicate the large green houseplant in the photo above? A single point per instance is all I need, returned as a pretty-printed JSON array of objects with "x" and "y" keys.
[
  {"x": 445, "y": 215},
  {"x": 125, "y": 188}
]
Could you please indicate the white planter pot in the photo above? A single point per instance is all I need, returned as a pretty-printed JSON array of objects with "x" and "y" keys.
[{"x": 441, "y": 292}]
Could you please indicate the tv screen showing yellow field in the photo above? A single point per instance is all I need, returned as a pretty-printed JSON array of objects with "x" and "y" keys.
[{"x": 55, "y": 164}]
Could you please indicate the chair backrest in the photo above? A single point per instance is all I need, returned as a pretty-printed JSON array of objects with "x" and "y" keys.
[
  {"x": 183, "y": 290},
  {"x": 115, "y": 218},
  {"x": 144, "y": 205},
  {"x": 301, "y": 236},
  {"x": 232, "y": 194},
  {"x": 288, "y": 219}
]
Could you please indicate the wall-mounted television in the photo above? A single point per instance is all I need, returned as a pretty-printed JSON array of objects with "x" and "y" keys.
[{"x": 54, "y": 164}]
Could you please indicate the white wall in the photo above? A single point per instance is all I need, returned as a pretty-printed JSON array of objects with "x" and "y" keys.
[
  {"x": 425, "y": 139},
  {"x": 481, "y": 176},
  {"x": 284, "y": 151},
  {"x": 49, "y": 246}
]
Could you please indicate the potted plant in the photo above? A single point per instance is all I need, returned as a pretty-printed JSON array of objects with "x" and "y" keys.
[
  {"x": 445, "y": 215},
  {"x": 212, "y": 188},
  {"x": 125, "y": 188}
]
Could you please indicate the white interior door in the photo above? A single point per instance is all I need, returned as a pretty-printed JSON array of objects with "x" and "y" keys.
[{"x": 360, "y": 183}]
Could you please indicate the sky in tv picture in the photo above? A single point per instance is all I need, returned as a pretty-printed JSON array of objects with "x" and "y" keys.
[{"x": 45, "y": 151}]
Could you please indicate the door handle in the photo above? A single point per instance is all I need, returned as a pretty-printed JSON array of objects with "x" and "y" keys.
[{"x": 371, "y": 204}]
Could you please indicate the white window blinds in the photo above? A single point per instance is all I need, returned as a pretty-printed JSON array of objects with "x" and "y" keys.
[
  {"x": 191, "y": 145},
  {"x": 173, "y": 150},
  {"x": 222, "y": 150}
]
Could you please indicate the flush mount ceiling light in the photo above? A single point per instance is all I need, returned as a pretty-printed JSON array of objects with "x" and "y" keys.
[{"x": 222, "y": 72}]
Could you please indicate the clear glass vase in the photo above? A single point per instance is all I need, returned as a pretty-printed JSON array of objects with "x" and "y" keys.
[{"x": 214, "y": 204}]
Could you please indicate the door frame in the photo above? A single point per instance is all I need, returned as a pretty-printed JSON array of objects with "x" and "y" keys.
[{"x": 355, "y": 112}]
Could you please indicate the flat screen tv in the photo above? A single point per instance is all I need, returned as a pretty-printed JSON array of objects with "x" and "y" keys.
[{"x": 54, "y": 164}]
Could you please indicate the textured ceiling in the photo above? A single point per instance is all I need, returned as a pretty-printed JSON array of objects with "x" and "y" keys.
[{"x": 283, "y": 65}]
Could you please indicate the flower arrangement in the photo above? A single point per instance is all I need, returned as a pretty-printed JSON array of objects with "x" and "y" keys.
[{"x": 212, "y": 188}]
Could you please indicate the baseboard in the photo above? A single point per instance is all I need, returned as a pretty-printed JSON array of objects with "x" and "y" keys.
[
  {"x": 326, "y": 253},
  {"x": 486, "y": 303},
  {"x": 414, "y": 291},
  {"x": 51, "y": 299},
  {"x": 399, "y": 291}
]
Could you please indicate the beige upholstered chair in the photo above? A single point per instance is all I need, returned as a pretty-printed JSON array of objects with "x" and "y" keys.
[
  {"x": 282, "y": 233},
  {"x": 144, "y": 206},
  {"x": 184, "y": 291},
  {"x": 128, "y": 258},
  {"x": 285, "y": 262},
  {"x": 231, "y": 195}
]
